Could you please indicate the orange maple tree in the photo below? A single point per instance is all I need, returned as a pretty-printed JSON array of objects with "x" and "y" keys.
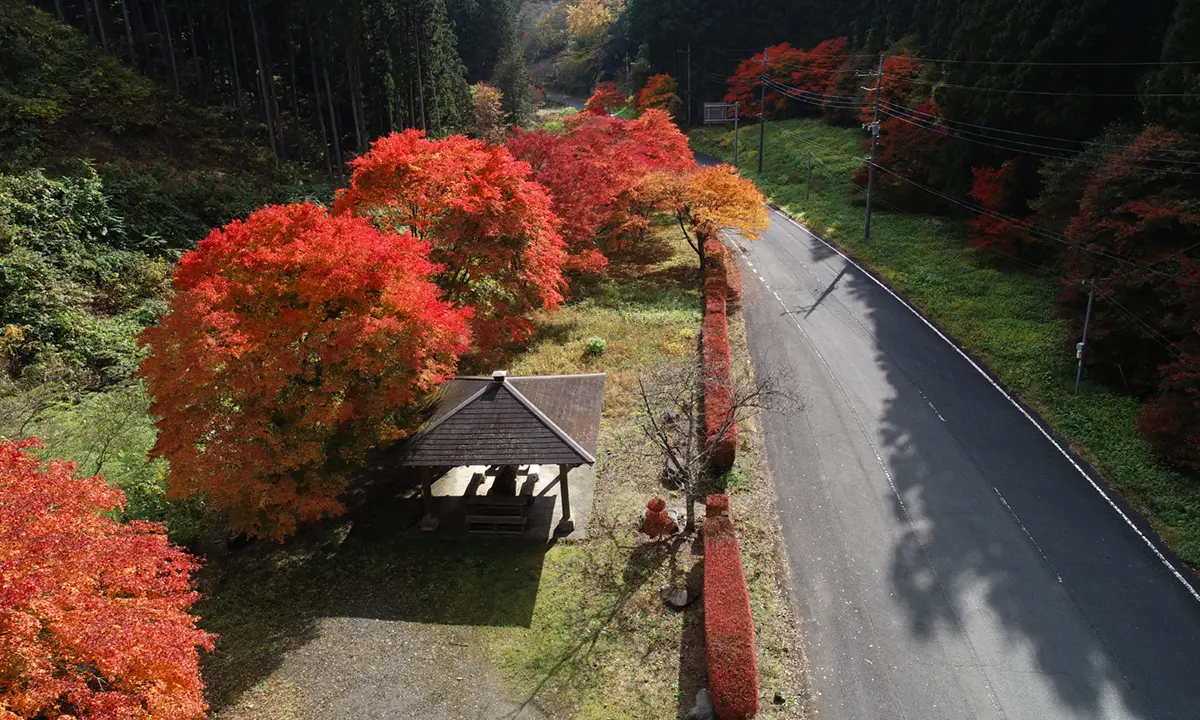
[
  {"x": 94, "y": 614},
  {"x": 592, "y": 171},
  {"x": 490, "y": 227},
  {"x": 704, "y": 200},
  {"x": 662, "y": 93},
  {"x": 606, "y": 98},
  {"x": 294, "y": 342}
]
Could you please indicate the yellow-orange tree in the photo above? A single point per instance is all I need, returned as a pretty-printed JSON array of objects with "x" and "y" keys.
[
  {"x": 661, "y": 92},
  {"x": 293, "y": 343},
  {"x": 704, "y": 200}
]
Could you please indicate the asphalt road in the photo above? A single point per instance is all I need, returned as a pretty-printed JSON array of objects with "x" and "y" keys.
[{"x": 949, "y": 560}]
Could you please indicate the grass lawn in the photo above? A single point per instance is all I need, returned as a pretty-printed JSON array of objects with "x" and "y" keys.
[
  {"x": 1003, "y": 315},
  {"x": 573, "y": 630}
]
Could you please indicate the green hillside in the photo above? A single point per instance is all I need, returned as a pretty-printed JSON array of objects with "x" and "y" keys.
[{"x": 105, "y": 179}]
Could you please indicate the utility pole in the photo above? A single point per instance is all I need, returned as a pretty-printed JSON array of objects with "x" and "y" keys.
[
  {"x": 1087, "y": 316},
  {"x": 874, "y": 145},
  {"x": 735, "y": 133},
  {"x": 688, "y": 92},
  {"x": 762, "y": 111},
  {"x": 808, "y": 181},
  {"x": 689, "y": 88}
]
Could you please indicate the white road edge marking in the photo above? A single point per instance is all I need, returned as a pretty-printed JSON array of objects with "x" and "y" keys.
[
  {"x": 1027, "y": 533},
  {"x": 1149, "y": 543}
]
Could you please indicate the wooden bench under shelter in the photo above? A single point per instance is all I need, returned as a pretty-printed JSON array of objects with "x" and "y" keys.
[{"x": 508, "y": 422}]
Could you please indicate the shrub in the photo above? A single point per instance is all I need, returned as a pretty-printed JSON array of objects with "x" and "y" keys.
[
  {"x": 728, "y": 622},
  {"x": 595, "y": 346},
  {"x": 720, "y": 432}
]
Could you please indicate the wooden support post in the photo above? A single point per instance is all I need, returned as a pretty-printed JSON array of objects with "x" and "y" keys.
[
  {"x": 567, "y": 524},
  {"x": 429, "y": 522}
]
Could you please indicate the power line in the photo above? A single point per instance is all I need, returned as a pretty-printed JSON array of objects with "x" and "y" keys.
[
  {"x": 978, "y": 88},
  {"x": 1154, "y": 334},
  {"x": 1060, "y": 64},
  {"x": 1040, "y": 232},
  {"x": 1020, "y": 146},
  {"x": 1086, "y": 143}
]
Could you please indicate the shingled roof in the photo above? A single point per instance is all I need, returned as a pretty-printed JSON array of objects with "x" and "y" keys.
[{"x": 501, "y": 420}]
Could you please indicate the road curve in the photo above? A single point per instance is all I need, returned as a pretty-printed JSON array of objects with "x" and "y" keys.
[{"x": 948, "y": 560}]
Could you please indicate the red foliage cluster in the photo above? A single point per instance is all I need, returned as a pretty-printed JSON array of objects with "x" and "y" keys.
[
  {"x": 995, "y": 191},
  {"x": 720, "y": 431},
  {"x": 729, "y": 269},
  {"x": 657, "y": 523},
  {"x": 745, "y": 86},
  {"x": 908, "y": 151},
  {"x": 290, "y": 342},
  {"x": 606, "y": 98},
  {"x": 592, "y": 172},
  {"x": 822, "y": 70},
  {"x": 728, "y": 622},
  {"x": 94, "y": 614},
  {"x": 490, "y": 227},
  {"x": 1136, "y": 233}
]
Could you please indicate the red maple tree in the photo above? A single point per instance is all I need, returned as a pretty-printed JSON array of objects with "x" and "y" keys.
[
  {"x": 820, "y": 69},
  {"x": 745, "y": 85},
  {"x": 592, "y": 170},
  {"x": 995, "y": 190},
  {"x": 906, "y": 150},
  {"x": 490, "y": 227},
  {"x": 294, "y": 342},
  {"x": 607, "y": 98},
  {"x": 1138, "y": 222},
  {"x": 94, "y": 614}
]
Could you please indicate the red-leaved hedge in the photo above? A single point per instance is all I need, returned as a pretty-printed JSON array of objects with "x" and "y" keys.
[
  {"x": 728, "y": 623},
  {"x": 718, "y": 385},
  {"x": 718, "y": 369},
  {"x": 733, "y": 276}
]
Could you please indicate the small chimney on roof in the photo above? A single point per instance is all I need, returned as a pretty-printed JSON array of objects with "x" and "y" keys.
[{"x": 499, "y": 375}]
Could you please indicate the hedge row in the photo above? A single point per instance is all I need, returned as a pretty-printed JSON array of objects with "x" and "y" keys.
[
  {"x": 718, "y": 369},
  {"x": 731, "y": 271},
  {"x": 728, "y": 623}
]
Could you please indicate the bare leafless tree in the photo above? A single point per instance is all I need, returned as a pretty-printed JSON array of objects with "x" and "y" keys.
[{"x": 673, "y": 421}]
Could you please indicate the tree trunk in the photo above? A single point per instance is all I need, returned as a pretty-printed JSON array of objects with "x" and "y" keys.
[
  {"x": 358, "y": 138},
  {"x": 365, "y": 141},
  {"x": 292, "y": 74},
  {"x": 162, "y": 45},
  {"x": 691, "y": 512},
  {"x": 262, "y": 79},
  {"x": 141, "y": 21},
  {"x": 100, "y": 24},
  {"x": 191, "y": 18},
  {"x": 237, "y": 82},
  {"x": 333, "y": 123},
  {"x": 128, "y": 32},
  {"x": 60, "y": 10},
  {"x": 87, "y": 14},
  {"x": 317, "y": 103},
  {"x": 170, "y": 47},
  {"x": 420, "y": 81}
]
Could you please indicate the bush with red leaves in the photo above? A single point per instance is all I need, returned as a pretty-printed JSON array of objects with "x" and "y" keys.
[
  {"x": 728, "y": 623},
  {"x": 720, "y": 433},
  {"x": 656, "y": 523}
]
